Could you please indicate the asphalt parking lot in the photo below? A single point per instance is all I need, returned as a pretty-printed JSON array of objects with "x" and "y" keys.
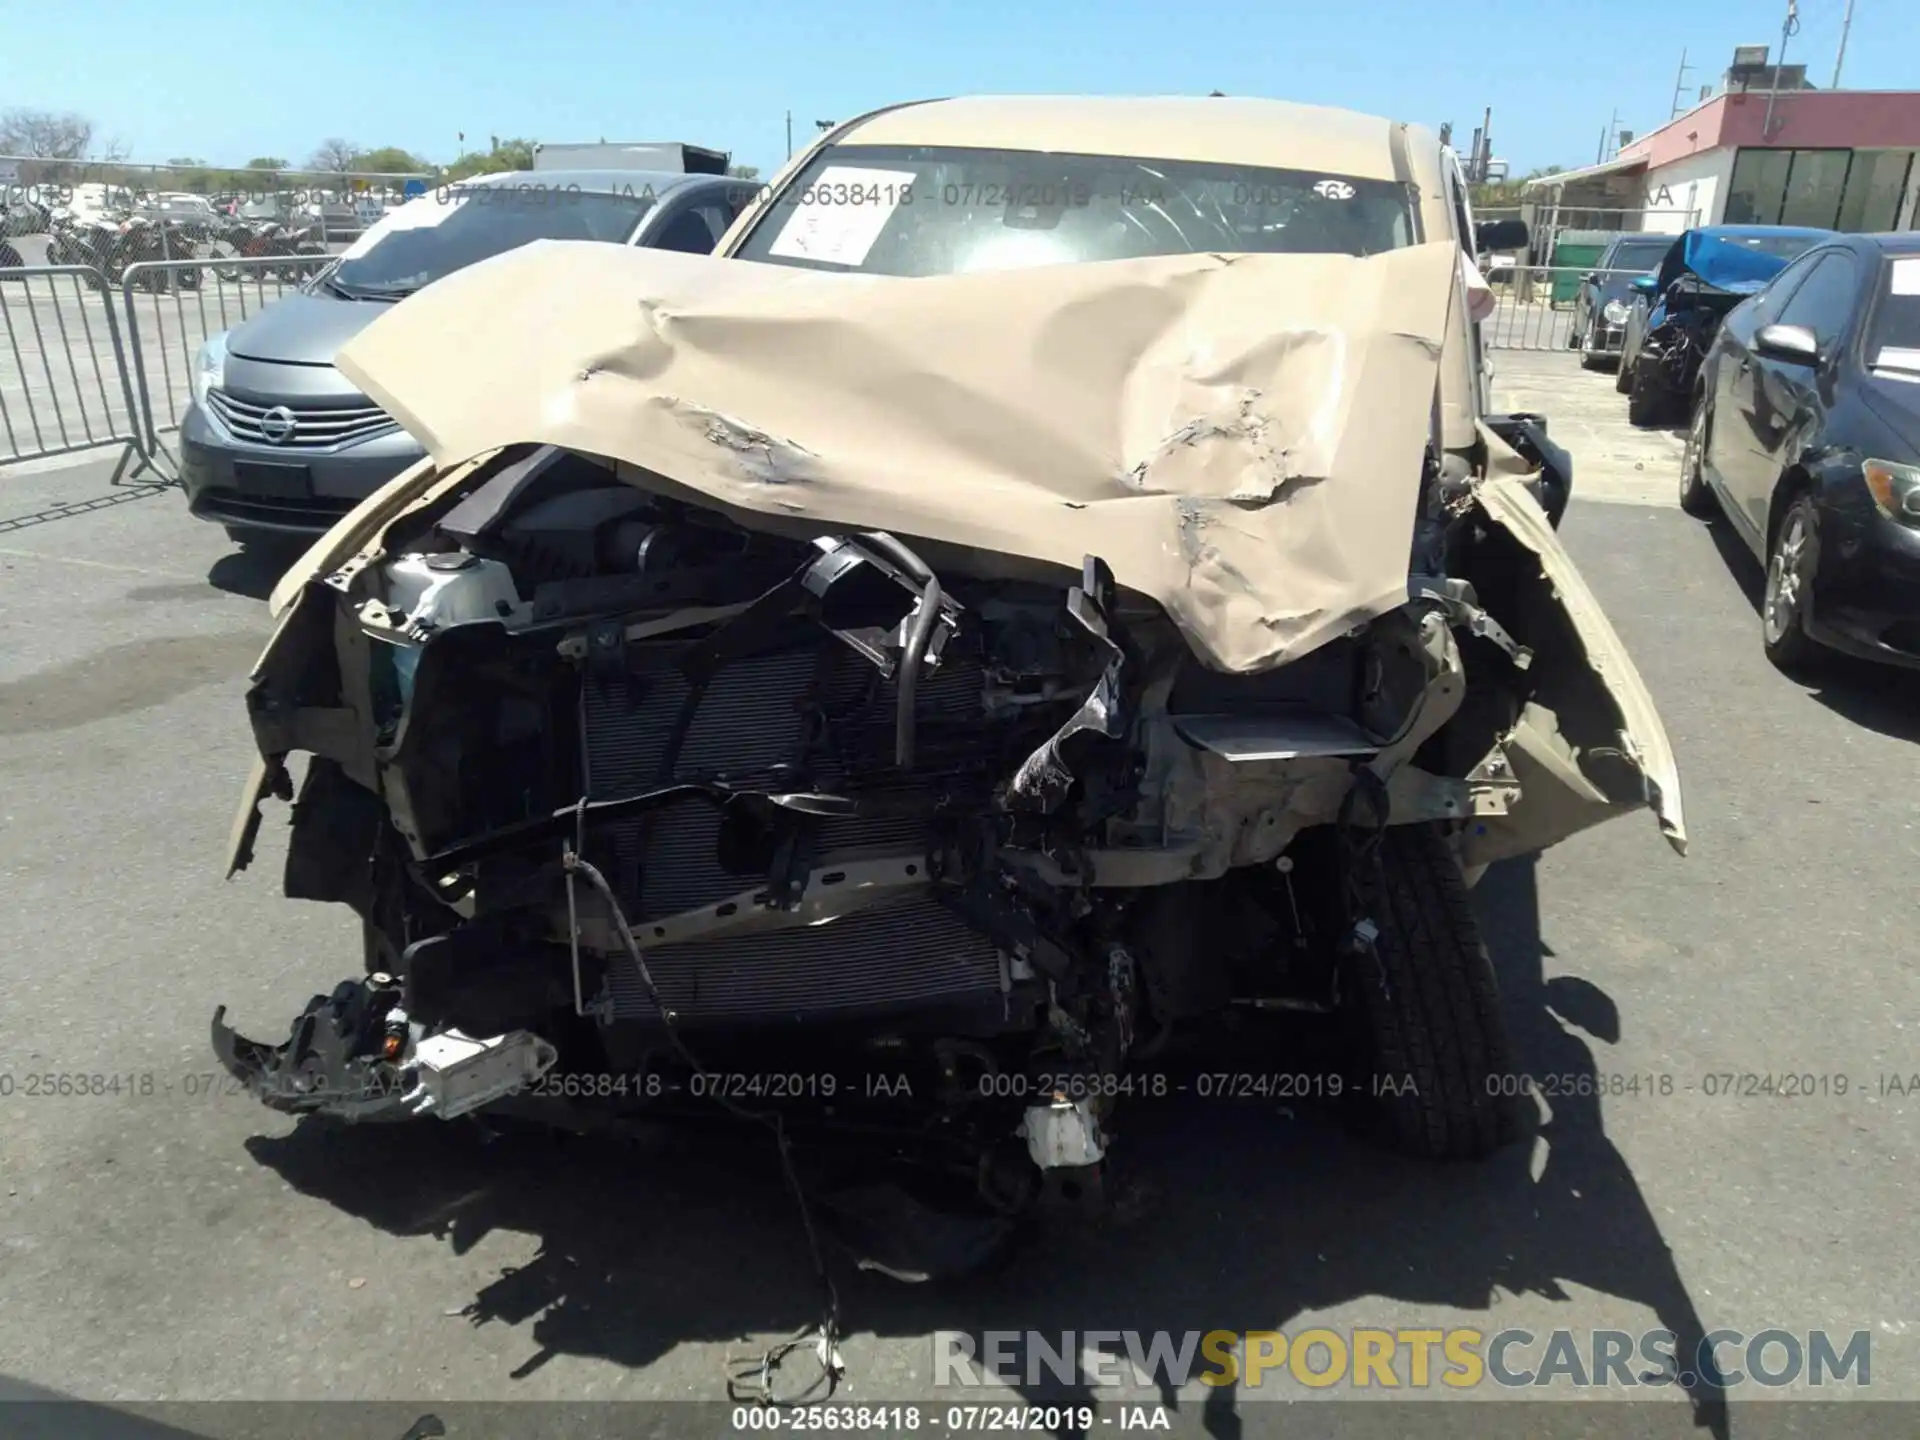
[{"x": 193, "y": 1247}]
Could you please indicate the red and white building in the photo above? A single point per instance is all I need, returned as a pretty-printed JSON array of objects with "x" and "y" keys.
[{"x": 1834, "y": 159}]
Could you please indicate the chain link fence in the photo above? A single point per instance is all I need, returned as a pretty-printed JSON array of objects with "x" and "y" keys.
[{"x": 33, "y": 190}]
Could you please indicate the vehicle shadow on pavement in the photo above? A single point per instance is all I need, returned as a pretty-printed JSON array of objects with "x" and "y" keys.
[
  {"x": 1885, "y": 698},
  {"x": 253, "y": 569},
  {"x": 1253, "y": 1213}
]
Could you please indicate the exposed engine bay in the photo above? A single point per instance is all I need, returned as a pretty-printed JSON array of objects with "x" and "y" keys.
[
  {"x": 656, "y": 803},
  {"x": 1677, "y": 344},
  {"x": 636, "y": 771}
]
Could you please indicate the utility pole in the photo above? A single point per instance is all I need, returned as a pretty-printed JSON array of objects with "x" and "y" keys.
[
  {"x": 1605, "y": 135},
  {"x": 1788, "y": 29},
  {"x": 1680, "y": 80},
  {"x": 1486, "y": 143},
  {"x": 789, "y": 134},
  {"x": 1840, "y": 56}
]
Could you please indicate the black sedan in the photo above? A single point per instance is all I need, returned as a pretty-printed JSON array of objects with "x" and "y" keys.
[
  {"x": 1806, "y": 436},
  {"x": 1603, "y": 301}
]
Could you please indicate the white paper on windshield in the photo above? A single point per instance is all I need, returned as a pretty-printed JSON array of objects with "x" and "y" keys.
[
  {"x": 1906, "y": 275},
  {"x": 420, "y": 214},
  {"x": 1897, "y": 357},
  {"x": 841, "y": 214}
]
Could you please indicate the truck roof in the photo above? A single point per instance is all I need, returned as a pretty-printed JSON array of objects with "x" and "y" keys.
[
  {"x": 586, "y": 181},
  {"x": 671, "y": 155}
]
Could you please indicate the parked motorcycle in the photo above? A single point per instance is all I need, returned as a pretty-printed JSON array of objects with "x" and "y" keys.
[
  {"x": 110, "y": 242},
  {"x": 92, "y": 240},
  {"x": 251, "y": 239}
]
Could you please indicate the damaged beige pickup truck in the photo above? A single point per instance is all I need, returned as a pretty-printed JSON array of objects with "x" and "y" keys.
[{"x": 1050, "y": 578}]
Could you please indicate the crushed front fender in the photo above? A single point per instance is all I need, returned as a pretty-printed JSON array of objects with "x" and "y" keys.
[{"x": 1563, "y": 788}]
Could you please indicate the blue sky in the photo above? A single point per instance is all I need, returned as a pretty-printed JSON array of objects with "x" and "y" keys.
[{"x": 224, "y": 80}]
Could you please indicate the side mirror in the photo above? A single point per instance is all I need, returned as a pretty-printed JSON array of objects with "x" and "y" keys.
[
  {"x": 1795, "y": 344},
  {"x": 1592, "y": 277},
  {"x": 1647, "y": 285},
  {"x": 1499, "y": 235}
]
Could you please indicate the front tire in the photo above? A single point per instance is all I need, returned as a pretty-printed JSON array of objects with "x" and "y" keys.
[
  {"x": 1792, "y": 559},
  {"x": 1648, "y": 403},
  {"x": 1432, "y": 1067},
  {"x": 1696, "y": 496}
]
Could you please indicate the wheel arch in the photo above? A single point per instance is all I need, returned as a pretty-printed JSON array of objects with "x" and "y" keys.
[{"x": 1794, "y": 481}]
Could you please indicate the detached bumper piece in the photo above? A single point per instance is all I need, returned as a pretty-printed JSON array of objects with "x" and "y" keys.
[{"x": 353, "y": 1055}]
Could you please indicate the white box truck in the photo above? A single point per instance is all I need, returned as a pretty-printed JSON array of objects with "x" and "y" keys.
[{"x": 669, "y": 155}]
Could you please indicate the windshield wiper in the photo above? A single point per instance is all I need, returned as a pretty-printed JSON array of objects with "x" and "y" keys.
[{"x": 388, "y": 293}]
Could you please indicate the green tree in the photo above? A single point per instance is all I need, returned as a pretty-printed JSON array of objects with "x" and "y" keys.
[
  {"x": 391, "y": 160},
  {"x": 267, "y": 162},
  {"x": 511, "y": 154},
  {"x": 744, "y": 172}
]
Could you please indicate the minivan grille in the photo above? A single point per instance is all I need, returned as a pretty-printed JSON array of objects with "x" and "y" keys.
[{"x": 314, "y": 427}]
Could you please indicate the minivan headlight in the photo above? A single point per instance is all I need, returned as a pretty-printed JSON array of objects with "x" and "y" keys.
[
  {"x": 210, "y": 367},
  {"x": 1615, "y": 312},
  {"x": 1895, "y": 489}
]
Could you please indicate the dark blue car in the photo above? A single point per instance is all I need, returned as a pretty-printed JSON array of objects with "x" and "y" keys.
[
  {"x": 1677, "y": 310},
  {"x": 1605, "y": 297}
]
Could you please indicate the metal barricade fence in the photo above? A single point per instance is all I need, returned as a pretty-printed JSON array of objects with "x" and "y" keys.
[
  {"x": 80, "y": 367},
  {"x": 64, "y": 381},
  {"x": 75, "y": 363},
  {"x": 173, "y": 307},
  {"x": 1538, "y": 307}
]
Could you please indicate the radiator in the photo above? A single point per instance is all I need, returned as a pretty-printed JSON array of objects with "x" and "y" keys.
[{"x": 906, "y": 953}]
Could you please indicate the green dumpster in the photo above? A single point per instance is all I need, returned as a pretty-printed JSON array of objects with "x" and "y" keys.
[{"x": 1575, "y": 252}]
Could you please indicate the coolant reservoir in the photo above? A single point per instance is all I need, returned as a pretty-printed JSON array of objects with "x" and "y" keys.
[{"x": 434, "y": 591}]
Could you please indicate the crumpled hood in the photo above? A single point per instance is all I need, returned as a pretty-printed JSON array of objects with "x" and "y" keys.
[
  {"x": 1721, "y": 261},
  {"x": 1240, "y": 437}
]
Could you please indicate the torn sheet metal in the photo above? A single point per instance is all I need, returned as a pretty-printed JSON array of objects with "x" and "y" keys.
[
  {"x": 1556, "y": 798},
  {"x": 1239, "y": 437}
]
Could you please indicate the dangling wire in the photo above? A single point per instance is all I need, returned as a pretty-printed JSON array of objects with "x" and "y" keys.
[
  {"x": 1360, "y": 864},
  {"x": 751, "y": 1381}
]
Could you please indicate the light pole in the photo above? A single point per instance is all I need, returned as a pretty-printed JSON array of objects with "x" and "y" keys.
[
  {"x": 1787, "y": 31},
  {"x": 1840, "y": 56}
]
